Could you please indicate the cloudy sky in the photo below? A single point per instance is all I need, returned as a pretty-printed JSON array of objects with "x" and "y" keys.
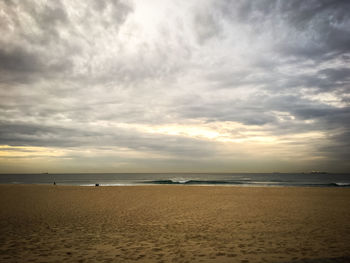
[{"x": 181, "y": 86}]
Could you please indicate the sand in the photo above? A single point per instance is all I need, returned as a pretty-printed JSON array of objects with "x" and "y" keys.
[{"x": 174, "y": 224}]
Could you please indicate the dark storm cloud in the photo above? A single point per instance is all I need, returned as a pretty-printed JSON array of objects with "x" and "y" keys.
[
  {"x": 339, "y": 149},
  {"x": 306, "y": 29},
  {"x": 298, "y": 115},
  {"x": 230, "y": 112},
  {"x": 36, "y": 44},
  {"x": 327, "y": 20},
  {"x": 19, "y": 65},
  {"x": 336, "y": 74},
  {"x": 324, "y": 80},
  {"x": 19, "y": 60}
]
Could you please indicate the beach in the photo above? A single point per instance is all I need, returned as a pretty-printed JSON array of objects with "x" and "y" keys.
[{"x": 46, "y": 223}]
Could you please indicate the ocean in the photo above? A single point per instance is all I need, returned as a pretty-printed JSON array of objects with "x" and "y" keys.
[{"x": 223, "y": 179}]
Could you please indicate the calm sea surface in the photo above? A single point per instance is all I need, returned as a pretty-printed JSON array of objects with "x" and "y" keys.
[{"x": 234, "y": 179}]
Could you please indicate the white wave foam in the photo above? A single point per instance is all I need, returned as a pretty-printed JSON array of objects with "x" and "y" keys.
[
  {"x": 342, "y": 184},
  {"x": 180, "y": 180}
]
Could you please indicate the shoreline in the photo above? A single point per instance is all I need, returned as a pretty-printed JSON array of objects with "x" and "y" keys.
[
  {"x": 181, "y": 185},
  {"x": 254, "y": 180},
  {"x": 170, "y": 223}
]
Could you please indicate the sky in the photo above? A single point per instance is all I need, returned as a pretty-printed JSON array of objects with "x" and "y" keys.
[{"x": 174, "y": 86}]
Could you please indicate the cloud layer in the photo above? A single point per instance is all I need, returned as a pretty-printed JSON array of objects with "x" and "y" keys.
[{"x": 118, "y": 86}]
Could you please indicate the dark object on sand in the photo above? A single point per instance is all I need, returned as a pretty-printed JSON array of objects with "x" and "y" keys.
[
  {"x": 54, "y": 183},
  {"x": 97, "y": 184}
]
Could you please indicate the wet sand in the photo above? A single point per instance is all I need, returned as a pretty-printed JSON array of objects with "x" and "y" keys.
[{"x": 174, "y": 224}]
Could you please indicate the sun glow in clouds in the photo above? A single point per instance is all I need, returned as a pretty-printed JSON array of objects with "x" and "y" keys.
[
  {"x": 7, "y": 151},
  {"x": 156, "y": 85},
  {"x": 220, "y": 133}
]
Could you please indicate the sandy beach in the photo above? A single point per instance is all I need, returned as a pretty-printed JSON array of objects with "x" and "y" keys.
[{"x": 174, "y": 224}]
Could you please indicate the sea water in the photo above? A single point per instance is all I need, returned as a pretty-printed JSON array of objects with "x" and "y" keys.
[{"x": 224, "y": 179}]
